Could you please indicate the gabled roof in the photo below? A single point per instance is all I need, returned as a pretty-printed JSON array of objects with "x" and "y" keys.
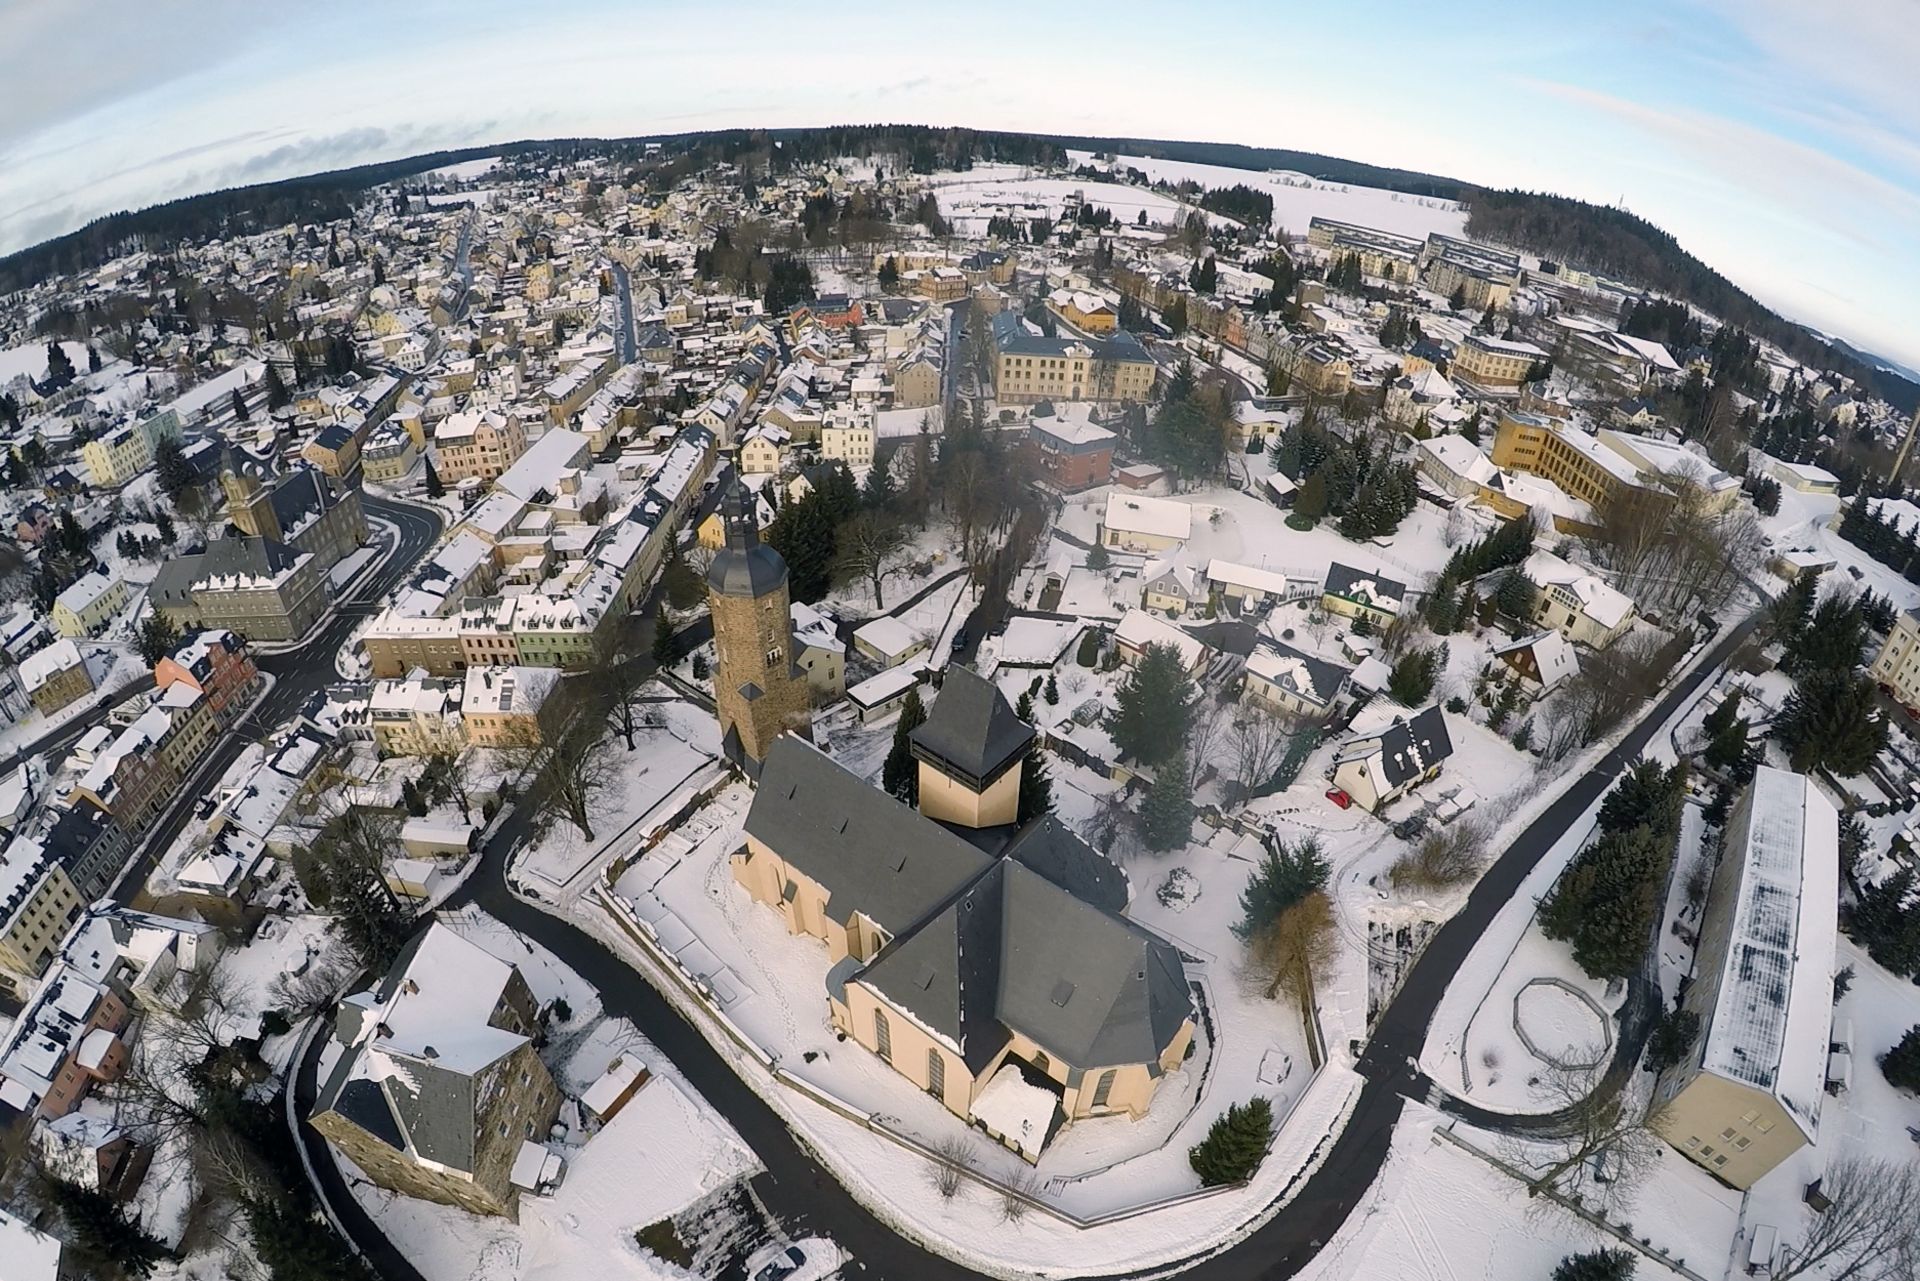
[
  {"x": 1354, "y": 584},
  {"x": 872, "y": 854},
  {"x": 972, "y": 730},
  {"x": 1410, "y": 748}
]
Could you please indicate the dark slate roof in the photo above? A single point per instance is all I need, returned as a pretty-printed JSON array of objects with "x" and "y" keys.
[
  {"x": 871, "y": 853},
  {"x": 1016, "y": 952},
  {"x": 745, "y": 566},
  {"x": 173, "y": 585},
  {"x": 1052, "y": 849},
  {"x": 299, "y": 495},
  {"x": 1342, "y": 578},
  {"x": 972, "y": 730},
  {"x": 1326, "y": 677},
  {"x": 1011, "y": 336},
  {"x": 332, "y": 437},
  {"x": 1412, "y": 747}
]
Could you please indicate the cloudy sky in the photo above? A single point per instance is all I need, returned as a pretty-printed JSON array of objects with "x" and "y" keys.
[{"x": 1780, "y": 140}]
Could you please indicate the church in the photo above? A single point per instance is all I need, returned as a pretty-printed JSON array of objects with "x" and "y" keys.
[
  {"x": 300, "y": 507},
  {"x": 989, "y": 962}
]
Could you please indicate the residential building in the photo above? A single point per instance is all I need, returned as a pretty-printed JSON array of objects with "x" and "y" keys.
[
  {"x": 1576, "y": 602},
  {"x": 1748, "y": 1093},
  {"x": 215, "y": 664},
  {"x": 116, "y": 457},
  {"x": 762, "y": 450},
  {"x": 1292, "y": 682},
  {"x": 888, "y": 641},
  {"x": 263, "y": 589},
  {"x": 390, "y": 454},
  {"x": 334, "y": 449},
  {"x": 1138, "y": 631},
  {"x": 31, "y": 1255},
  {"x": 1089, "y": 313},
  {"x": 1540, "y": 662},
  {"x": 1803, "y": 477},
  {"x": 438, "y": 1086},
  {"x": 1075, "y": 452},
  {"x": 1000, "y": 976},
  {"x": 1897, "y": 665},
  {"x": 89, "y": 603},
  {"x": 848, "y": 439},
  {"x": 819, "y": 651},
  {"x": 38, "y": 904},
  {"x": 55, "y": 676},
  {"x": 1141, "y": 523},
  {"x": 510, "y": 706},
  {"x": 1378, "y": 767},
  {"x": 759, "y": 692},
  {"x": 1172, "y": 588},
  {"x": 416, "y": 716},
  {"x": 479, "y": 443},
  {"x": 1356, "y": 594},
  {"x": 1029, "y": 368}
]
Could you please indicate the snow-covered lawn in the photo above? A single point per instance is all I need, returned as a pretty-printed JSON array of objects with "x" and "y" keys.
[
  {"x": 112, "y": 667},
  {"x": 970, "y": 199},
  {"x": 665, "y": 1150},
  {"x": 674, "y": 754},
  {"x": 1298, "y": 198}
]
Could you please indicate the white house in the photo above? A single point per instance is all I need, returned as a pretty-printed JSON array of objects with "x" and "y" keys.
[
  {"x": 1141, "y": 523},
  {"x": 1378, "y": 768}
]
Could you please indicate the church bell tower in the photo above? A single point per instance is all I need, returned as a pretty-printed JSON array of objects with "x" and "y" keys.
[{"x": 758, "y": 692}]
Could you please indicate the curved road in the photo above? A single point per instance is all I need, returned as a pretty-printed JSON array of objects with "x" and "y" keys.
[
  {"x": 297, "y": 675},
  {"x": 799, "y": 1191}
]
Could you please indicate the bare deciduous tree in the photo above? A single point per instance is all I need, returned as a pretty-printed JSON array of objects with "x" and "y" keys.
[
  {"x": 1869, "y": 1229},
  {"x": 953, "y": 1157},
  {"x": 565, "y": 773},
  {"x": 1211, "y": 719},
  {"x": 1301, "y": 942},
  {"x": 1596, "y": 1123},
  {"x": 871, "y": 547},
  {"x": 1258, "y": 740}
]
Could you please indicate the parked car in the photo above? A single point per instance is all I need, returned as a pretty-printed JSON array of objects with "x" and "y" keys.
[
  {"x": 960, "y": 640},
  {"x": 1339, "y": 797},
  {"x": 809, "y": 1259}
]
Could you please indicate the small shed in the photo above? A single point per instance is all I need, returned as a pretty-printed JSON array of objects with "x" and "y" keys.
[
  {"x": 888, "y": 641},
  {"x": 620, "y": 1082},
  {"x": 878, "y": 696}
]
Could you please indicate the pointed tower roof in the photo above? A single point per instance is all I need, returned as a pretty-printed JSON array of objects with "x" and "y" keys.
[
  {"x": 972, "y": 733},
  {"x": 745, "y": 566}
]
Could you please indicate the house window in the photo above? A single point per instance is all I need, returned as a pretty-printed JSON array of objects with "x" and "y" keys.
[
  {"x": 1104, "y": 1090},
  {"x": 936, "y": 1074},
  {"x": 882, "y": 1035}
]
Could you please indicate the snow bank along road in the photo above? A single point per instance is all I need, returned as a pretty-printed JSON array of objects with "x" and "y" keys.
[{"x": 807, "y": 1199}]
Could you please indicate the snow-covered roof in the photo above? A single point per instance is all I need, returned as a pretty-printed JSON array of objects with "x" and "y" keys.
[
  {"x": 1140, "y": 629},
  {"x": 611, "y": 1084},
  {"x": 31, "y": 1255},
  {"x": 889, "y": 684},
  {"x": 1552, "y": 654},
  {"x": 889, "y": 636},
  {"x": 1034, "y": 641},
  {"x": 41, "y": 666},
  {"x": 1459, "y": 456},
  {"x": 1141, "y": 514},
  {"x": 1603, "y": 604},
  {"x": 1016, "y": 1109},
  {"x": 1248, "y": 576},
  {"x": 1772, "y": 993}
]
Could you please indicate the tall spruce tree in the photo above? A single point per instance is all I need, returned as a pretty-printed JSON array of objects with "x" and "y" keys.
[
  {"x": 1235, "y": 1145},
  {"x": 1153, "y": 707},
  {"x": 900, "y": 776}
]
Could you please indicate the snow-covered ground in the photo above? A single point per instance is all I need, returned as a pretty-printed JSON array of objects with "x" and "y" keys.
[
  {"x": 675, "y": 753},
  {"x": 1298, "y": 198},
  {"x": 968, "y": 200},
  {"x": 112, "y": 667},
  {"x": 662, "y": 1153},
  {"x": 465, "y": 171}
]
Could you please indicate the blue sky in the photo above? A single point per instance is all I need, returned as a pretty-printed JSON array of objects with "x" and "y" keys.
[{"x": 1778, "y": 140}]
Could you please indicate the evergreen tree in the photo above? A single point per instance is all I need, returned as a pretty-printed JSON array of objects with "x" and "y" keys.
[
  {"x": 1596, "y": 1265},
  {"x": 1411, "y": 682},
  {"x": 1514, "y": 596},
  {"x": 682, "y": 586},
  {"x": 1672, "y": 1040},
  {"x": 1168, "y": 808},
  {"x": 878, "y": 493},
  {"x": 278, "y": 397},
  {"x": 662, "y": 640},
  {"x": 1831, "y": 640},
  {"x": 1901, "y": 1064},
  {"x": 158, "y": 637},
  {"x": 1153, "y": 708},
  {"x": 1052, "y": 693},
  {"x": 164, "y": 523},
  {"x": 239, "y": 406},
  {"x": 1036, "y": 787},
  {"x": 1235, "y": 1145},
  {"x": 1023, "y": 708},
  {"x": 60, "y": 370},
  {"x": 434, "y": 488},
  {"x": 900, "y": 776},
  {"x": 1285, "y": 875},
  {"x": 171, "y": 469},
  {"x": 1831, "y": 722},
  {"x": 101, "y": 1228}
]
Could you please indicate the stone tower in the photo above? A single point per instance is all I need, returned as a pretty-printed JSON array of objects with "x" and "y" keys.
[
  {"x": 757, "y": 691},
  {"x": 249, "y": 498}
]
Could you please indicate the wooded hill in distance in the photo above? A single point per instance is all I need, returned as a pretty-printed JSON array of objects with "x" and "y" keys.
[{"x": 1597, "y": 238}]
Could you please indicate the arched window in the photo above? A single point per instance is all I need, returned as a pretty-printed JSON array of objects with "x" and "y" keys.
[
  {"x": 1041, "y": 1061},
  {"x": 1104, "y": 1089},
  {"x": 936, "y": 1074},
  {"x": 882, "y": 1035}
]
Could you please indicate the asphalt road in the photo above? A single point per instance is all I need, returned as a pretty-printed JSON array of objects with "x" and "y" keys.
[
  {"x": 806, "y": 1198},
  {"x": 297, "y": 675}
]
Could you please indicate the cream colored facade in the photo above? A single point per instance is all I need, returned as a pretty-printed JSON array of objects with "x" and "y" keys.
[
  {"x": 1733, "y": 1130},
  {"x": 1493, "y": 362},
  {"x": 87, "y": 606},
  {"x": 951, "y": 801},
  {"x": 116, "y": 458},
  {"x": 389, "y": 455},
  {"x": 760, "y": 455},
  {"x": 1897, "y": 665},
  {"x": 1023, "y": 379},
  {"x": 476, "y": 443},
  {"x": 851, "y": 443},
  {"x": 45, "y": 913}
]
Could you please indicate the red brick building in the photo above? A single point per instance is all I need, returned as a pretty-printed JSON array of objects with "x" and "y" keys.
[
  {"x": 217, "y": 664},
  {"x": 1073, "y": 452}
]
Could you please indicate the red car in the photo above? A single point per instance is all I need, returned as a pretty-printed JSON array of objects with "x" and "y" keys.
[{"x": 1339, "y": 797}]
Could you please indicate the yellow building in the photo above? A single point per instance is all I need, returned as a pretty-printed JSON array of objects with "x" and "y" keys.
[
  {"x": 390, "y": 454},
  {"x": 1029, "y": 368},
  {"x": 1089, "y": 313},
  {"x": 480, "y": 443},
  {"x": 1009, "y": 985},
  {"x": 1748, "y": 1095},
  {"x": 334, "y": 450},
  {"x": 1897, "y": 666},
  {"x": 41, "y": 904},
  {"x": 89, "y": 604},
  {"x": 848, "y": 440},
  {"x": 1487, "y": 361},
  {"x": 117, "y": 457}
]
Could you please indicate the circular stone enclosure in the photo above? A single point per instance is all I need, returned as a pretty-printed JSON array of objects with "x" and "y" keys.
[{"x": 1560, "y": 1025}]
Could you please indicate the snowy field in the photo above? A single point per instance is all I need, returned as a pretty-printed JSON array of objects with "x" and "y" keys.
[
  {"x": 665, "y": 1151},
  {"x": 968, "y": 200},
  {"x": 29, "y": 360},
  {"x": 465, "y": 171},
  {"x": 1298, "y": 198}
]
